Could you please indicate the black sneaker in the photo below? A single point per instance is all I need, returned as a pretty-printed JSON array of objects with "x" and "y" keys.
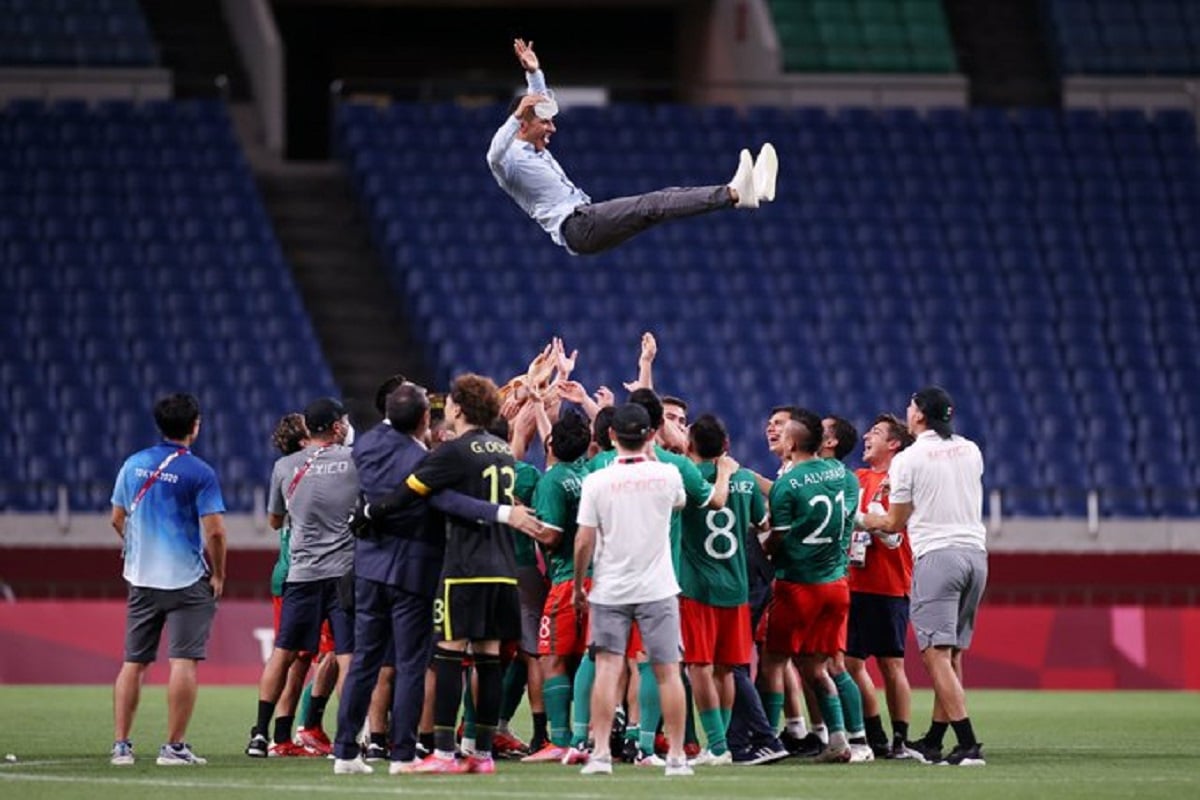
[
  {"x": 629, "y": 751},
  {"x": 763, "y": 754},
  {"x": 881, "y": 749},
  {"x": 965, "y": 756},
  {"x": 921, "y": 750},
  {"x": 258, "y": 745},
  {"x": 897, "y": 751},
  {"x": 375, "y": 752},
  {"x": 810, "y": 746},
  {"x": 616, "y": 738}
]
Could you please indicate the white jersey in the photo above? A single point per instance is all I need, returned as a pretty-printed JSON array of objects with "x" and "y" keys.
[
  {"x": 943, "y": 480},
  {"x": 630, "y": 503}
]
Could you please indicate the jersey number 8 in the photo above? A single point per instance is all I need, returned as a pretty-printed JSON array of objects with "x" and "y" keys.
[{"x": 720, "y": 526}]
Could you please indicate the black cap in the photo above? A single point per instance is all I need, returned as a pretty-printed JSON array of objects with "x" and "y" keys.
[
  {"x": 631, "y": 423},
  {"x": 935, "y": 403},
  {"x": 320, "y": 415}
]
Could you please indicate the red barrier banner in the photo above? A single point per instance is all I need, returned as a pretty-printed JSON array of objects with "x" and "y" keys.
[{"x": 1015, "y": 647}]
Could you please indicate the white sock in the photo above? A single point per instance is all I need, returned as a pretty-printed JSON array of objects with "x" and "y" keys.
[
  {"x": 837, "y": 740},
  {"x": 797, "y": 727},
  {"x": 822, "y": 733}
]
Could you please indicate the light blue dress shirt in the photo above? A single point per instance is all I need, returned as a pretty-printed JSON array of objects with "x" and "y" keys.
[{"x": 534, "y": 180}]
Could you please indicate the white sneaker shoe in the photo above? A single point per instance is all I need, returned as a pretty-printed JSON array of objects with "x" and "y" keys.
[
  {"x": 743, "y": 182},
  {"x": 678, "y": 768},
  {"x": 402, "y": 767},
  {"x": 861, "y": 753},
  {"x": 351, "y": 766},
  {"x": 649, "y": 760},
  {"x": 597, "y": 766},
  {"x": 707, "y": 759},
  {"x": 766, "y": 169}
]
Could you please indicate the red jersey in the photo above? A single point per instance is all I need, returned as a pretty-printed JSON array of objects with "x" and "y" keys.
[{"x": 888, "y": 571}]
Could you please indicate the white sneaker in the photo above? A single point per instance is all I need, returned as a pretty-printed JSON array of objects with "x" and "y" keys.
[
  {"x": 707, "y": 759},
  {"x": 861, "y": 753},
  {"x": 122, "y": 754},
  {"x": 597, "y": 766},
  {"x": 179, "y": 755},
  {"x": 351, "y": 766},
  {"x": 766, "y": 168},
  {"x": 402, "y": 767},
  {"x": 743, "y": 182},
  {"x": 835, "y": 753},
  {"x": 649, "y": 760},
  {"x": 677, "y": 768}
]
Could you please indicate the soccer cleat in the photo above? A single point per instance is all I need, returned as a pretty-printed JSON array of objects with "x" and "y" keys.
[
  {"x": 438, "y": 765},
  {"x": 661, "y": 745},
  {"x": 881, "y": 749},
  {"x": 550, "y": 752},
  {"x": 707, "y": 759},
  {"x": 288, "y": 750},
  {"x": 480, "y": 765},
  {"x": 834, "y": 754},
  {"x": 810, "y": 746},
  {"x": 597, "y": 766},
  {"x": 898, "y": 752},
  {"x": 375, "y": 752},
  {"x": 576, "y": 755},
  {"x": 691, "y": 749},
  {"x": 179, "y": 755},
  {"x": 258, "y": 745},
  {"x": 766, "y": 169},
  {"x": 861, "y": 753},
  {"x": 765, "y": 754},
  {"x": 351, "y": 766},
  {"x": 743, "y": 182},
  {"x": 649, "y": 760},
  {"x": 678, "y": 768},
  {"x": 122, "y": 754},
  {"x": 965, "y": 756},
  {"x": 314, "y": 740},
  {"x": 629, "y": 751},
  {"x": 921, "y": 750},
  {"x": 507, "y": 745}
]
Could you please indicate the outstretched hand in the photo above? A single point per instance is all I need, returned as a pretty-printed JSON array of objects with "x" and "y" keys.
[{"x": 525, "y": 55}]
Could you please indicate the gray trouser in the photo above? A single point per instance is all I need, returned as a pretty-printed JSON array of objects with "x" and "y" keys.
[
  {"x": 947, "y": 587},
  {"x": 596, "y": 227}
]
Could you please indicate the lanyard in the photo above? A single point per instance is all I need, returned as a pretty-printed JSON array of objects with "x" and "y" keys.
[
  {"x": 154, "y": 477},
  {"x": 291, "y": 490},
  {"x": 632, "y": 459}
]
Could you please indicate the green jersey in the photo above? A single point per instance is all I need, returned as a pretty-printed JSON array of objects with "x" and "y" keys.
[
  {"x": 283, "y": 563},
  {"x": 601, "y": 460},
  {"x": 556, "y": 502},
  {"x": 698, "y": 491},
  {"x": 712, "y": 567},
  {"x": 813, "y": 503},
  {"x": 526, "y": 481}
]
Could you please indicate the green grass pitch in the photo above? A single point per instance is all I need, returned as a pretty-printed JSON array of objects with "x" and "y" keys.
[{"x": 1039, "y": 744}]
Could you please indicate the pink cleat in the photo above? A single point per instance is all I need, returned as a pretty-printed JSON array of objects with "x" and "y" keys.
[
  {"x": 434, "y": 764},
  {"x": 551, "y": 752},
  {"x": 480, "y": 765}
]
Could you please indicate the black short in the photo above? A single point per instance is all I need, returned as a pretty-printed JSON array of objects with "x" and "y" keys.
[
  {"x": 305, "y": 606},
  {"x": 187, "y": 612},
  {"x": 477, "y": 609},
  {"x": 877, "y": 627}
]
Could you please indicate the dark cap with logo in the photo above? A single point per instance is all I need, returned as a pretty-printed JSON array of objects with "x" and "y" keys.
[
  {"x": 320, "y": 414},
  {"x": 631, "y": 423},
  {"x": 935, "y": 403}
]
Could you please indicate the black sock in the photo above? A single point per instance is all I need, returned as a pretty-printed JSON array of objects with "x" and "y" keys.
[
  {"x": 316, "y": 711},
  {"x": 539, "y": 725},
  {"x": 937, "y": 732},
  {"x": 425, "y": 739},
  {"x": 448, "y": 664},
  {"x": 487, "y": 703},
  {"x": 874, "y": 729},
  {"x": 964, "y": 731},
  {"x": 266, "y": 710},
  {"x": 379, "y": 739},
  {"x": 899, "y": 731},
  {"x": 283, "y": 729}
]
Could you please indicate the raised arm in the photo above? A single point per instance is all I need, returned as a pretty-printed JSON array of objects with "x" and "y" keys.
[{"x": 645, "y": 378}]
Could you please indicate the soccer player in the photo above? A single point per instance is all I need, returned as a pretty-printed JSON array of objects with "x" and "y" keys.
[
  {"x": 937, "y": 494},
  {"x": 807, "y": 617},
  {"x": 168, "y": 513},
  {"x": 478, "y": 605},
  {"x": 624, "y": 532},
  {"x": 879, "y": 596},
  {"x": 714, "y": 597},
  {"x": 520, "y": 160},
  {"x": 561, "y": 631}
]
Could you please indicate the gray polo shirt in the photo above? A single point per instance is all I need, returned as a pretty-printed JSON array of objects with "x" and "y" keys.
[{"x": 322, "y": 545}]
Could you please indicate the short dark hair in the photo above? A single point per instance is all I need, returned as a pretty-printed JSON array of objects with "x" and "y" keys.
[
  {"x": 708, "y": 436},
  {"x": 570, "y": 437},
  {"x": 406, "y": 407},
  {"x": 386, "y": 388},
  {"x": 176, "y": 415},
  {"x": 672, "y": 400},
  {"x": 477, "y": 397},
  {"x": 289, "y": 433},
  {"x": 601, "y": 426},
  {"x": 791, "y": 411},
  {"x": 647, "y": 399},
  {"x": 896, "y": 429},
  {"x": 812, "y": 431},
  {"x": 846, "y": 434}
]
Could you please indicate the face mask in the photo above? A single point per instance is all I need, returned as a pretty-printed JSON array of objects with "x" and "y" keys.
[{"x": 349, "y": 439}]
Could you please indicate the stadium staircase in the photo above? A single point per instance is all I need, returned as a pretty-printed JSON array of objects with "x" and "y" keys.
[
  {"x": 343, "y": 284},
  {"x": 195, "y": 43},
  {"x": 1002, "y": 49}
]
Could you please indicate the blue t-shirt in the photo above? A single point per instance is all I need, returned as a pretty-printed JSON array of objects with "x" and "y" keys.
[{"x": 163, "y": 545}]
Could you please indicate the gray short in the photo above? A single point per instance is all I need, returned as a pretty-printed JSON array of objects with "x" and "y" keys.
[
  {"x": 947, "y": 587},
  {"x": 532, "y": 587},
  {"x": 658, "y": 622},
  {"x": 188, "y": 613}
]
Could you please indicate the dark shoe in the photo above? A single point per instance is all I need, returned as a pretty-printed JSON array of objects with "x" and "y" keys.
[
  {"x": 375, "y": 752},
  {"x": 258, "y": 745},
  {"x": 629, "y": 751},
  {"x": 923, "y": 751},
  {"x": 810, "y": 746},
  {"x": 965, "y": 756},
  {"x": 764, "y": 754},
  {"x": 616, "y": 739},
  {"x": 881, "y": 749},
  {"x": 897, "y": 752}
]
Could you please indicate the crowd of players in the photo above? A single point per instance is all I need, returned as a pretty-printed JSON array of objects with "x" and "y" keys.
[{"x": 428, "y": 567}]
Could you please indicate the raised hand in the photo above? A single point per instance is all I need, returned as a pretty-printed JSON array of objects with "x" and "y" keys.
[
  {"x": 525, "y": 55},
  {"x": 604, "y": 397},
  {"x": 649, "y": 348},
  {"x": 573, "y": 391},
  {"x": 565, "y": 365}
]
